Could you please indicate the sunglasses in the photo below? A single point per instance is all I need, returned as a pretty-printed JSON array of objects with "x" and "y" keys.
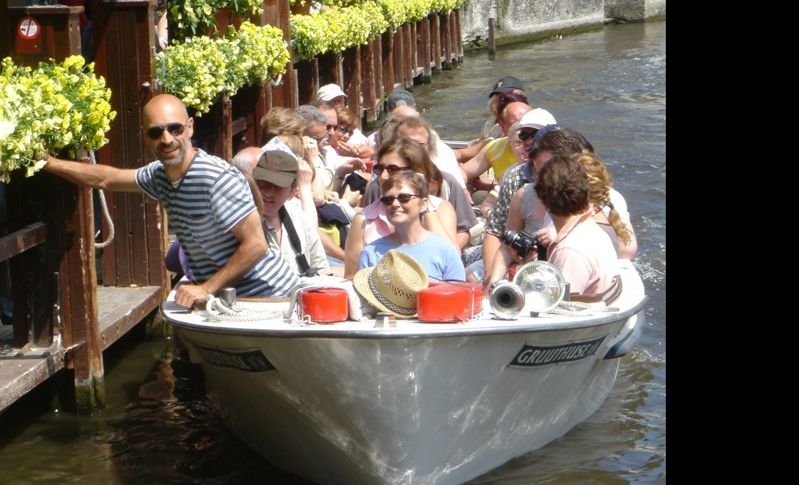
[
  {"x": 391, "y": 169},
  {"x": 332, "y": 127},
  {"x": 403, "y": 198},
  {"x": 344, "y": 129},
  {"x": 526, "y": 134},
  {"x": 174, "y": 129}
]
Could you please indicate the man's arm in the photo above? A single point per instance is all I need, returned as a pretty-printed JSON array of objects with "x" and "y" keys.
[
  {"x": 98, "y": 176},
  {"x": 252, "y": 247},
  {"x": 477, "y": 165}
]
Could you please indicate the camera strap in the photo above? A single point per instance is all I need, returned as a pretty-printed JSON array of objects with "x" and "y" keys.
[{"x": 294, "y": 240}]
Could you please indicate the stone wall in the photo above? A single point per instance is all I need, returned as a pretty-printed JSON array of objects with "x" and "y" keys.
[{"x": 522, "y": 19}]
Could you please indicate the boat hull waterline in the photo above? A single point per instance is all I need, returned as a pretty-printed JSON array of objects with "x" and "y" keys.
[{"x": 414, "y": 403}]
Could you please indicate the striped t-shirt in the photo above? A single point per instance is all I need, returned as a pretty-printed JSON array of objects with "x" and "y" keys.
[{"x": 209, "y": 200}]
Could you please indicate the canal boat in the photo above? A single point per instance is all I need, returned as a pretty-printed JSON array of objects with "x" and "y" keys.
[{"x": 404, "y": 401}]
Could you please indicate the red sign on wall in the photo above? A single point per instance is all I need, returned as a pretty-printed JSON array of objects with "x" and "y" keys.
[{"x": 28, "y": 32}]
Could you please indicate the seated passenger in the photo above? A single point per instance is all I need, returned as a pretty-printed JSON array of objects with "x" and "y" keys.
[
  {"x": 283, "y": 221},
  {"x": 581, "y": 250},
  {"x": 405, "y": 198},
  {"x": 396, "y": 155},
  {"x": 610, "y": 208}
]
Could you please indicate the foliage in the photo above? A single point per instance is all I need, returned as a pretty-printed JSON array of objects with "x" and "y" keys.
[
  {"x": 353, "y": 23},
  {"x": 53, "y": 107},
  {"x": 190, "y": 17},
  {"x": 201, "y": 69}
]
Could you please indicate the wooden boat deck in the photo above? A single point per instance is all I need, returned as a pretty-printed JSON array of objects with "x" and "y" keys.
[{"x": 120, "y": 309}]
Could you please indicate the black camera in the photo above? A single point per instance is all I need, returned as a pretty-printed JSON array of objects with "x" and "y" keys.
[{"x": 520, "y": 241}]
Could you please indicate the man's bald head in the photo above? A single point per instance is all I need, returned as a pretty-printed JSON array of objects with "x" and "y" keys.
[
  {"x": 404, "y": 111},
  {"x": 512, "y": 114},
  {"x": 246, "y": 159},
  {"x": 164, "y": 105}
]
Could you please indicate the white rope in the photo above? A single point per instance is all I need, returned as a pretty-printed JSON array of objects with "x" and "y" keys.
[
  {"x": 579, "y": 309},
  {"x": 219, "y": 311},
  {"x": 106, "y": 214}
]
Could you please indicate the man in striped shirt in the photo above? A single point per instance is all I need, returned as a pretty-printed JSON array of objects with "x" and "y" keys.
[{"x": 208, "y": 202}]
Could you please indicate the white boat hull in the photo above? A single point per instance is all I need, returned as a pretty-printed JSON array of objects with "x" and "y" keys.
[{"x": 418, "y": 403}]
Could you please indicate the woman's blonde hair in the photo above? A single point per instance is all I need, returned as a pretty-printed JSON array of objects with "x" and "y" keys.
[
  {"x": 599, "y": 182},
  {"x": 281, "y": 121}
]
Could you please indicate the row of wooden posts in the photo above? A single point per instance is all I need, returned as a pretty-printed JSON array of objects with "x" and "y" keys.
[{"x": 62, "y": 318}]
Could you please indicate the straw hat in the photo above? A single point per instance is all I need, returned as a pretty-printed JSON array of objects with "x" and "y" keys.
[{"x": 391, "y": 285}]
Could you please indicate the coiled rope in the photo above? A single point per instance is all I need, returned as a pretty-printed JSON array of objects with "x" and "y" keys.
[
  {"x": 106, "y": 214},
  {"x": 219, "y": 311}
]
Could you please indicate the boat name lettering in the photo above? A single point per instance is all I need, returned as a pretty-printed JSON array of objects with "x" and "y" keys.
[
  {"x": 248, "y": 360},
  {"x": 533, "y": 356}
]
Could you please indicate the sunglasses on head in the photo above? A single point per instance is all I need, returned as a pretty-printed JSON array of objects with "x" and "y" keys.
[
  {"x": 391, "y": 169},
  {"x": 525, "y": 135},
  {"x": 174, "y": 129},
  {"x": 403, "y": 198}
]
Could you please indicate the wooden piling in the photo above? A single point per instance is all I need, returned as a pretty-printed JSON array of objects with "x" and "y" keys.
[
  {"x": 492, "y": 46},
  {"x": 424, "y": 48},
  {"x": 435, "y": 35}
]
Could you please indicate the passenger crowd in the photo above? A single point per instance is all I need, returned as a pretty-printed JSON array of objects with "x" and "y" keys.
[{"x": 322, "y": 198}]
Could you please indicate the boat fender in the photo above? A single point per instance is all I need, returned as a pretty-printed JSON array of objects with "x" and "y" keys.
[
  {"x": 446, "y": 302},
  {"x": 324, "y": 305}
]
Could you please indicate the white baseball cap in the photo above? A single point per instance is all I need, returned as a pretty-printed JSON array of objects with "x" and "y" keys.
[
  {"x": 537, "y": 118},
  {"x": 329, "y": 92}
]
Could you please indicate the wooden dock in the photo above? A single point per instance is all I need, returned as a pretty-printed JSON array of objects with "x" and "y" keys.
[{"x": 22, "y": 369}]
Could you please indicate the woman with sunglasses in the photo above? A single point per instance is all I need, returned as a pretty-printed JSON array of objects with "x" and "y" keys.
[
  {"x": 405, "y": 196},
  {"x": 397, "y": 155}
]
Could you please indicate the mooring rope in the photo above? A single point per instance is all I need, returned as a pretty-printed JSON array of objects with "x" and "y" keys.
[
  {"x": 219, "y": 311},
  {"x": 106, "y": 214}
]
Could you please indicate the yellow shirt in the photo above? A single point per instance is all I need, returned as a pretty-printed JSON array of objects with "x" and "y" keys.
[{"x": 500, "y": 156}]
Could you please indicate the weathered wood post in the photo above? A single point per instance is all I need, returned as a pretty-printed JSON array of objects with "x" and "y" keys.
[
  {"x": 459, "y": 36},
  {"x": 285, "y": 93},
  {"x": 380, "y": 90},
  {"x": 492, "y": 47},
  {"x": 424, "y": 50},
  {"x": 367, "y": 111},
  {"x": 435, "y": 35},
  {"x": 408, "y": 56},
  {"x": 388, "y": 62},
  {"x": 351, "y": 81},
  {"x": 67, "y": 210},
  {"x": 446, "y": 41},
  {"x": 307, "y": 80},
  {"x": 398, "y": 55}
]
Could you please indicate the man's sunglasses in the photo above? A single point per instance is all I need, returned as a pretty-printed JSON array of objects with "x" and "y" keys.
[
  {"x": 525, "y": 135},
  {"x": 391, "y": 169},
  {"x": 403, "y": 198},
  {"x": 174, "y": 129}
]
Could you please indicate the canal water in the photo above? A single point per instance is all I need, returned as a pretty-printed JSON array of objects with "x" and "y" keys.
[{"x": 158, "y": 427}]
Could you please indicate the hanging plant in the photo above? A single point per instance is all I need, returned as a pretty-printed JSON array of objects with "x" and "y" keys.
[
  {"x": 54, "y": 107},
  {"x": 347, "y": 23},
  {"x": 188, "y": 18},
  {"x": 201, "y": 69}
]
